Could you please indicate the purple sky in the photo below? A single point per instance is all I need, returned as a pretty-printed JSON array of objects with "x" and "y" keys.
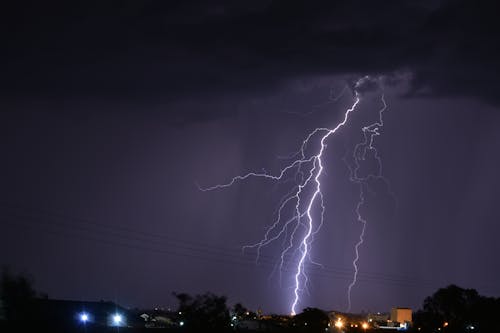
[{"x": 111, "y": 114}]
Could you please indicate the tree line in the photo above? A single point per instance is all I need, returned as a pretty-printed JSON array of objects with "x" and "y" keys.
[{"x": 451, "y": 309}]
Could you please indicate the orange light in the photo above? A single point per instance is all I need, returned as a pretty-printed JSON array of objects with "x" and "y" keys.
[
  {"x": 365, "y": 326},
  {"x": 445, "y": 324},
  {"x": 339, "y": 324}
]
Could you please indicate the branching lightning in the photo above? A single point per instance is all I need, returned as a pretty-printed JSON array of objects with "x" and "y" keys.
[
  {"x": 359, "y": 155},
  {"x": 306, "y": 167}
]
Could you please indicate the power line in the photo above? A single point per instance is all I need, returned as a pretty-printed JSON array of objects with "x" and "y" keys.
[
  {"x": 180, "y": 243},
  {"x": 217, "y": 255}
]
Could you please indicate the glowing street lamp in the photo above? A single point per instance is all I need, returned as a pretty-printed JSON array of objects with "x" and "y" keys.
[
  {"x": 339, "y": 324},
  {"x": 117, "y": 319},
  {"x": 84, "y": 317},
  {"x": 364, "y": 325}
]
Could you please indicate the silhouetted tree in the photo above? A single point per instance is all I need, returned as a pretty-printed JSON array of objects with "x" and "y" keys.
[
  {"x": 206, "y": 312},
  {"x": 311, "y": 320},
  {"x": 239, "y": 310},
  {"x": 453, "y": 309},
  {"x": 18, "y": 296}
]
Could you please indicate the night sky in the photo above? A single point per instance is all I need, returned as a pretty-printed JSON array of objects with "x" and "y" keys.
[{"x": 113, "y": 112}]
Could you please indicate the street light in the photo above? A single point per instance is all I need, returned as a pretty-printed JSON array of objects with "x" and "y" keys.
[
  {"x": 117, "y": 319},
  {"x": 84, "y": 317}
]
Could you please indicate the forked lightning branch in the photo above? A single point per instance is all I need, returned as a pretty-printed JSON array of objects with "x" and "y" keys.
[{"x": 304, "y": 204}]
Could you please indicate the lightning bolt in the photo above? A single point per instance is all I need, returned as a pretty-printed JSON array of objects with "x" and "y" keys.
[
  {"x": 359, "y": 155},
  {"x": 305, "y": 170}
]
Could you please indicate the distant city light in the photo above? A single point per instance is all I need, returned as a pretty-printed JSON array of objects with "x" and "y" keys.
[
  {"x": 365, "y": 326},
  {"x": 339, "y": 324},
  {"x": 117, "y": 319},
  {"x": 181, "y": 323},
  {"x": 84, "y": 317}
]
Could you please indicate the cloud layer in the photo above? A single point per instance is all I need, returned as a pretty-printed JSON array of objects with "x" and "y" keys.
[{"x": 163, "y": 51}]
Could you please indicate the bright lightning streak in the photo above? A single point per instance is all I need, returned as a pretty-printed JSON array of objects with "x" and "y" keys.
[
  {"x": 305, "y": 241},
  {"x": 306, "y": 194}
]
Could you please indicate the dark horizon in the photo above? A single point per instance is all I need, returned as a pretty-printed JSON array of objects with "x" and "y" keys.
[{"x": 113, "y": 114}]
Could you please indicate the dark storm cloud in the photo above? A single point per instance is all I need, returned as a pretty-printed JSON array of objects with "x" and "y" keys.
[{"x": 169, "y": 51}]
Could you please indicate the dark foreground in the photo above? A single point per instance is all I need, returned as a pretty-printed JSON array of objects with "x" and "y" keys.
[{"x": 19, "y": 327}]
